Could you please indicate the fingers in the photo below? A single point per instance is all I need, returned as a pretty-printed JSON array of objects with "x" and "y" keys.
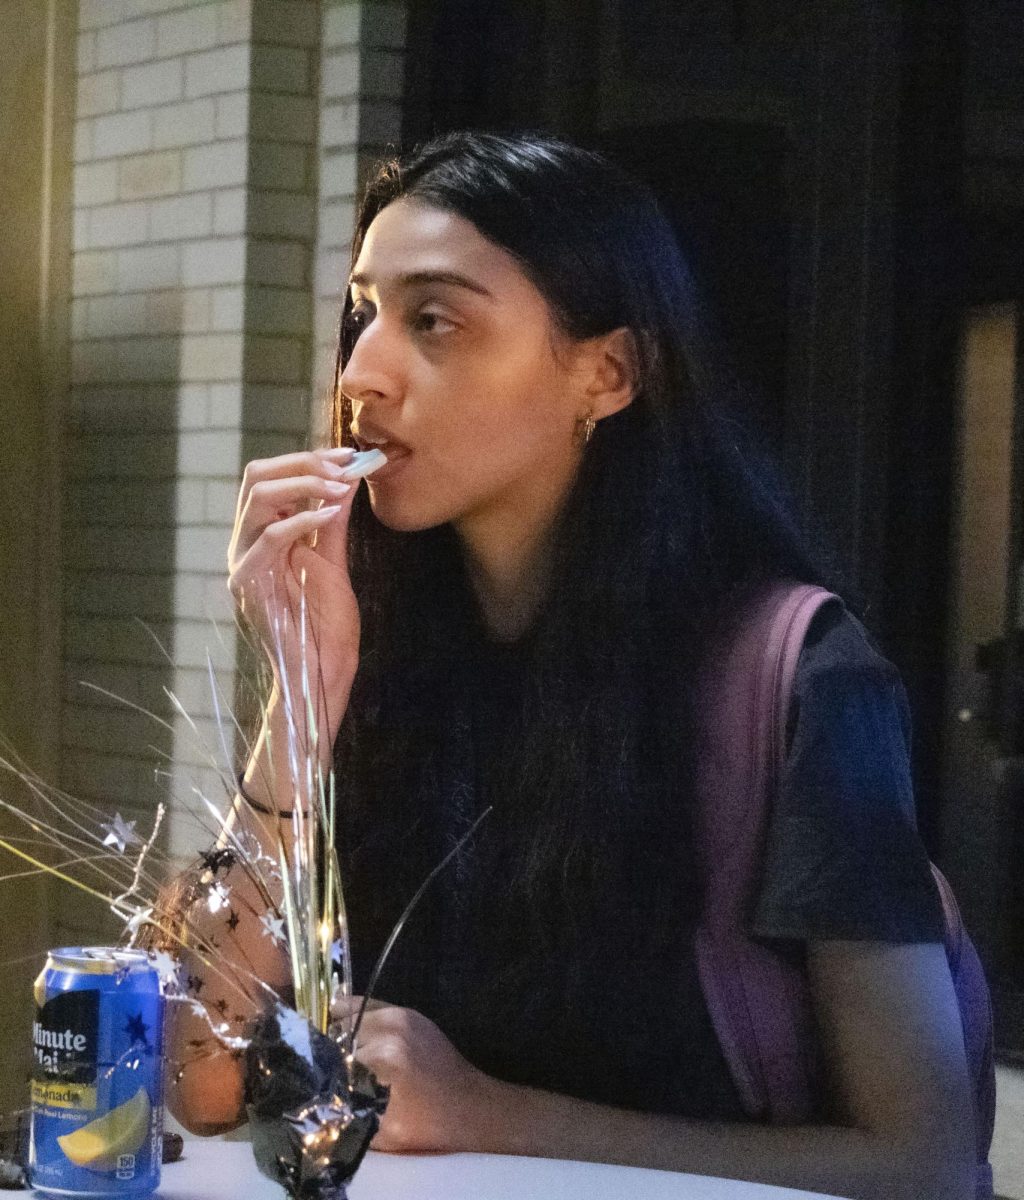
[
  {"x": 273, "y": 500},
  {"x": 277, "y": 487},
  {"x": 270, "y": 496},
  {"x": 332, "y": 538},
  {"x": 348, "y": 1006},
  {"x": 264, "y": 566},
  {"x": 329, "y": 464},
  {"x": 381, "y": 1049},
  {"x": 386, "y": 1056}
]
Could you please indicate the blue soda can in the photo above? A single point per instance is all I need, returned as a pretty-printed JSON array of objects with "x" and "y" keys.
[{"x": 97, "y": 1078}]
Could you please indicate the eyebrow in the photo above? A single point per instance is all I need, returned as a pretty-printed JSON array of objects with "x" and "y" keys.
[{"x": 414, "y": 278}]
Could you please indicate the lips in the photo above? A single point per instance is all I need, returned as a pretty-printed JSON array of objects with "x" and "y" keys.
[{"x": 368, "y": 437}]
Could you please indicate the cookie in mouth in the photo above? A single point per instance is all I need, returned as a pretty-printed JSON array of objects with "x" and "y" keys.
[{"x": 364, "y": 462}]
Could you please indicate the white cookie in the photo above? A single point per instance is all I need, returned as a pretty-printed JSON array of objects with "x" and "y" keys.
[{"x": 364, "y": 462}]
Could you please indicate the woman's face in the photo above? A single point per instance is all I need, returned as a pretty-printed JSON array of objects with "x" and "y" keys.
[{"x": 459, "y": 370}]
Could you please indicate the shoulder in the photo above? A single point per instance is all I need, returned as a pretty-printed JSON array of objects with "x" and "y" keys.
[
  {"x": 837, "y": 638},
  {"x": 842, "y": 666},
  {"x": 843, "y": 859}
]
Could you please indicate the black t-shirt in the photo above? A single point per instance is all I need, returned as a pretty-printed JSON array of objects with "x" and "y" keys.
[
  {"x": 843, "y": 856},
  {"x": 843, "y": 859}
]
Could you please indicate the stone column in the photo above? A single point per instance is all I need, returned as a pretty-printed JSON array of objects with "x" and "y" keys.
[
  {"x": 362, "y": 66},
  {"x": 217, "y": 156}
]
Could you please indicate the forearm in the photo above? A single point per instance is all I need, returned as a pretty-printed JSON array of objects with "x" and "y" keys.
[
  {"x": 231, "y": 967},
  {"x": 830, "y": 1159},
  {"x": 285, "y": 740}
]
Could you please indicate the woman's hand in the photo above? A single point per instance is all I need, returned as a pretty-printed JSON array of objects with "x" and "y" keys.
[
  {"x": 438, "y": 1101},
  {"x": 290, "y": 536}
]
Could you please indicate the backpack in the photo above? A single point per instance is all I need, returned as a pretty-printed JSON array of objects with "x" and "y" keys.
[{"x": 758, "y": 997}]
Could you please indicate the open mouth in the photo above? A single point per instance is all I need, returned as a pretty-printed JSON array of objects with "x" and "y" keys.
[{"x": 386, "y": 446}]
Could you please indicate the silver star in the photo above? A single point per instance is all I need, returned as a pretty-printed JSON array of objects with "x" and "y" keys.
[
  {"x": 120, "y": 833},
  {"x": 140, "y": 917},
  {"x": 167, "y": 971},
  {"x": 217, "y": 897},
  {"x": 273, "y": 927}
]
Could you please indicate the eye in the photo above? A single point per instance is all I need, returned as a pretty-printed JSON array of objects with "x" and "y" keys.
[
  {"x": 433, "y": 323},
  {"x": 355, "y": 321}
]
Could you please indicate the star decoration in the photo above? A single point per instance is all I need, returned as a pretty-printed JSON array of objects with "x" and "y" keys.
[
  {"x": 232, "y": 921},
  {"x": 273, "y": 927},
  {"x": 221, "y": 1006},
  {"x": 194, "y": 984},
  {"x": 218, "y": 859},
  {"x": 229, "y": 1043},
  {"x": 136, "y": 1029},
  {"x": 166, "y": 966},
  {"x": 140, "y": 917},
  {"x": 217, "y": 897},
  {"x": 120, "y": 834},
  {"x": 199, "y": 1010}
]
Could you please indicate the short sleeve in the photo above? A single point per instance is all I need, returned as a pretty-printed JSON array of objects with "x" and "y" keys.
[{"x": 843, "y": 858}]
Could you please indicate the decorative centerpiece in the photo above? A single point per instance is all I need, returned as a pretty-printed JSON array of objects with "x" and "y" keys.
[{"x": 313, "y": 1107}]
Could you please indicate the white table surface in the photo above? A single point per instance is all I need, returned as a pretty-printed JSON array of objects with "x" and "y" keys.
[{"x": 218, "y": 1170}]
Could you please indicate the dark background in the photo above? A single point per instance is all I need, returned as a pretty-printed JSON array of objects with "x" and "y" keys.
[{"x": 848, "y": 179}]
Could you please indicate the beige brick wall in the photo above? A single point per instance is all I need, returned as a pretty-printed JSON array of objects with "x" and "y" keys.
[
  {"x": 157, "y": 365},
  {"x": 362, "y": 60},
  {"x": 217, "y": 154}
]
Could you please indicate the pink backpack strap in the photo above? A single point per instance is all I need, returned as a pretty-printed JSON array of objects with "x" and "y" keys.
[{"x": 757, "y": 999}]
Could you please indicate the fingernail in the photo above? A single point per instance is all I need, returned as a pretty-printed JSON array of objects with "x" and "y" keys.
[
  {"x": 339, "y": 451},
  {"x": 336, "y": 487},
  {"x": 329, "y": 510},
  {"x": 333, "y": 470}
]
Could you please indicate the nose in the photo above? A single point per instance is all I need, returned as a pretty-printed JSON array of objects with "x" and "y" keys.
[{"x": 374, "y": 366}]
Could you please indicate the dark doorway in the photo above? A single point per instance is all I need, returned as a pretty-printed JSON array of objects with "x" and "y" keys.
[
  {"x": 983, "y": 760},
  {"x": 813, "y": 165},
  {"x": 723, "y": 187}
]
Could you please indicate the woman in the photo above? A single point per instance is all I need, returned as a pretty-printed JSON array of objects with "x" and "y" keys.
[{"x": 513, "y": 612}]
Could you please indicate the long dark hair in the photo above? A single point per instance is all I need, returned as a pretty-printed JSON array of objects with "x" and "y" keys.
[{"x": 673, "y": 515}]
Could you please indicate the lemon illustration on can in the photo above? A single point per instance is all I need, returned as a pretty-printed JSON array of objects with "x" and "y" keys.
[{"x": 98, "y": 1145}]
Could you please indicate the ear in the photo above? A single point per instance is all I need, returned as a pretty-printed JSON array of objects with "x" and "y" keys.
[{"x": 612, "y": 373}]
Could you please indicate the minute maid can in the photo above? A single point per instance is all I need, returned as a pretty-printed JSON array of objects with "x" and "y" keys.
[{"x": 97, "y": 1102}]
